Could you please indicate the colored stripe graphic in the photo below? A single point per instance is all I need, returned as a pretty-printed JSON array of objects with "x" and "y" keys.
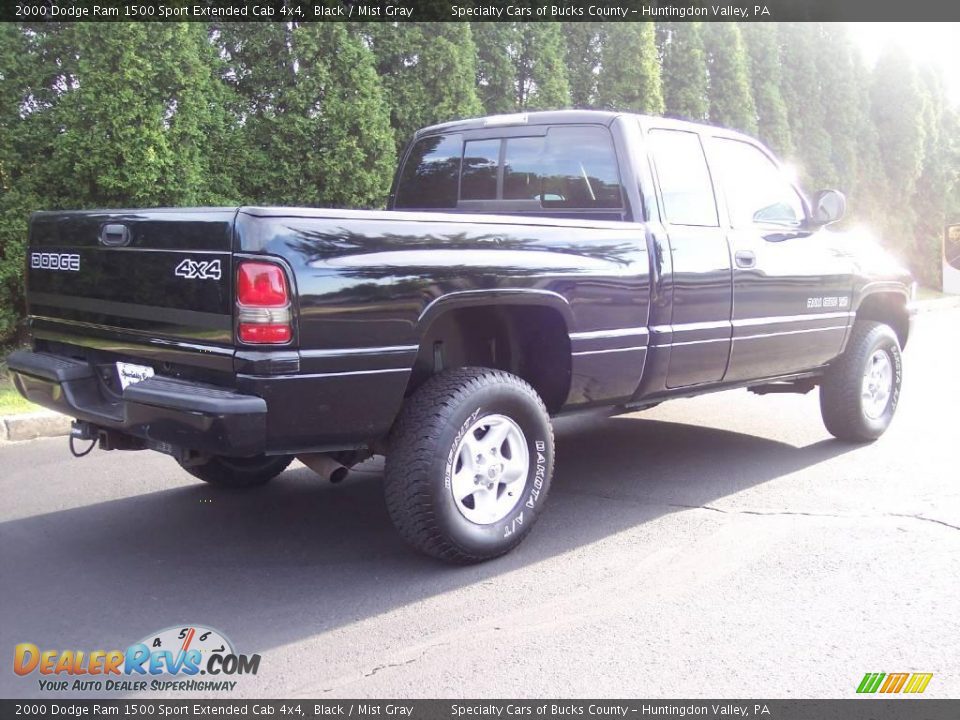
[
  {"x": 918, "y": 683},
  {"x": 870, "y": 682},
  {"x": 914, "y": 683},
  {"x": 894, "y": 682}
]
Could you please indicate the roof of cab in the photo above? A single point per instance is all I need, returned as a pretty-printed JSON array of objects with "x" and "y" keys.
[{"x": 558, "y": 117}]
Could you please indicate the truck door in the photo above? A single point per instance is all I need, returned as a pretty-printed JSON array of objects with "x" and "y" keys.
[
  {"x": 791, "y": 287},
  {"x": 698, "y": 333}
]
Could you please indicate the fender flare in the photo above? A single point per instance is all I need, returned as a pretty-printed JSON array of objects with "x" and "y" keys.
[
  {"x": 480, "y": 298},
  {"x": 878, "y": 287}
]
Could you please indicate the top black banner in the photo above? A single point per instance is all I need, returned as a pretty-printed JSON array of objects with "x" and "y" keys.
[{"x": 478, "y": 10}]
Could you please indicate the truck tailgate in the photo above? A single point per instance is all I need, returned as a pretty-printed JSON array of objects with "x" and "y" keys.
[{"x": 163, "y": 274}]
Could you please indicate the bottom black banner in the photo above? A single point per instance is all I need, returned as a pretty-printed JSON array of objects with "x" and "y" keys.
[{"x": 853, "y": 709}]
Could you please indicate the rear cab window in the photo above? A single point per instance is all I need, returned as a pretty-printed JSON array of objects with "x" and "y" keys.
[
  {"x": 560, "y": 168},
  {"x": 480, "y": 170}
]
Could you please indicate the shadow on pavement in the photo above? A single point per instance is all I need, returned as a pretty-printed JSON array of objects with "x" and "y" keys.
[{"x": 299, "y": 557}]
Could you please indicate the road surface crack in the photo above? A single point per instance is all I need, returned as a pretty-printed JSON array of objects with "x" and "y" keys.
[
  {"x": 387, "y": 666},
  {"x": 925, "y": 519},
  {"x": 909, "y": 516}
]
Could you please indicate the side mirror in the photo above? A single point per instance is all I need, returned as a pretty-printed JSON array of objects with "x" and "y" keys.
[{"x": 828, "y": 207}]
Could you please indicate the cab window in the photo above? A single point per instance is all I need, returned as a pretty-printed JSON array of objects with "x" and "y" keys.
[
  {"x": 570, "y": 167},
  {"x": 756, "y": 190},
  {"x": 951, "y": 248},
  {"x": 481, "y": 164},
  {"x": 430, "y": 175},
  {"x": 685, "y": 184}
]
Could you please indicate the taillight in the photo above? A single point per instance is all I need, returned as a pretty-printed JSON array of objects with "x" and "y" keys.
[{"x": 263, "y": 304}]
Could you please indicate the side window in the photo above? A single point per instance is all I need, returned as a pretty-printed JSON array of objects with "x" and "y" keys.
[
  {"x": 572, "y": 167},
  {"x": 756, "y": 190},
  {"x": 429, "y": 177},
  {"x": 951, "y": 247},
  {"x": 684, "y": 178},
  {"x": 481, "y": 160}
]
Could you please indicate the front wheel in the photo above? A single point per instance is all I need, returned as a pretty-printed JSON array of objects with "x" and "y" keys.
[
  {"x": 238, "y": 472},
  {"x": 469, "y": 465},
  {"x": 861, "y": 390}
]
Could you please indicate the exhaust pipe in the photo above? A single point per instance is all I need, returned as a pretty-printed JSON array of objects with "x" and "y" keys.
[{"x": 324, "y": 466}]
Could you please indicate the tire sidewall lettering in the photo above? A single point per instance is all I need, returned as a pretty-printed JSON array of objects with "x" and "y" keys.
[
  {"x": 892, "y": 350},
  {"x": 898, "y": 378},
  {"x": 452, "y": 453},
  {"x": 478, "y": 537}
]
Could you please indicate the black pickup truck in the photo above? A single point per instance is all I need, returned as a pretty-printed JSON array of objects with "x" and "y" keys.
[{"x": 527, "y": 266}]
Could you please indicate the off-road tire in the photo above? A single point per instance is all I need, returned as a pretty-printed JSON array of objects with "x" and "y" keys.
[
  {"x": 421, "y": 459},
  {"x": 238, "y": 473},
  {"x": 841, "y": 402}
]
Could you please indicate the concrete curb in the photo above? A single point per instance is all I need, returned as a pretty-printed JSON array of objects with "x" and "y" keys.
[
  {"x": 33, "y": 425},
  {"x": 43, "y": 423}
]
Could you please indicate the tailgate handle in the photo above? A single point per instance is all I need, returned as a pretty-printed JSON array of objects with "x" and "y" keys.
[
  {"x": 745, "y": 259},
  {"x": 115, "y": 235}
]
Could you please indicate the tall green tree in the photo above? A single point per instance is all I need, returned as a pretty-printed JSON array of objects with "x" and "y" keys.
[
  {"x": 731, "y": 97},
  {"x": 867, "y": 197},
  {"x": 521, "y": 66},
  {"x": 802, "y": 95},
  {"x": 629, "y": 77},
  {"x": 583, "y": 42},
  {"x": 838, "y": 91},
  {"x": 139, "y": 110},
  {"x": 763, "y": 52},
  {"x": 897, "y": 107},
  {"x": 937, "y": 181},
  {"x": 897, "y": 110},
  {"x": 20, "y": 148},
  {"x": 496, "y": 71},
  {"x": 316, "y": 125},
  {"x": 684, "y": 62},
  {"x": 428, "y": 72},
  {"x": 542, "y": 82}
]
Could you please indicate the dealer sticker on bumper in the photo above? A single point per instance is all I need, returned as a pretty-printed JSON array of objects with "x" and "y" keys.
[{"x": 131, "y": 374}]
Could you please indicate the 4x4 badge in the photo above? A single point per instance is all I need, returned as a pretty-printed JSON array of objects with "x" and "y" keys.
[{"x": 198, "y": 269}]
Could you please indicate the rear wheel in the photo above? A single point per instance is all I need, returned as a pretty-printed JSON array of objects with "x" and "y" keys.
[
  {"x": 233, "y": 472},
  {"x": 861, "y": 390},
  {"x": 469, "y": 465}
]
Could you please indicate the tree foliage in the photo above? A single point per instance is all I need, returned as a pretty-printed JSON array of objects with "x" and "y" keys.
[
  {"x": 731, "y": 97},
  {"x": 763, "y": 52},
  {"x": 802, "y": 95},
  {"x": 684, "y": 62},
  {"x": 316, "y": 126},
  {"x": 427, "y": 71},
  {"x": 521, "y": 66},
  {"x": 629, "y": 77},
  {"x": 584, "y": 41}
]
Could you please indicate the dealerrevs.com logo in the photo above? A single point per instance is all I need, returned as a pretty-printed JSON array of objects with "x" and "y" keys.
[{"x": 170, "y": 660}]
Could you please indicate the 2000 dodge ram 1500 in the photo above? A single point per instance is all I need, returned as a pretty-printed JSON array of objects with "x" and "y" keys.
[{"x": 527, "y": 266}]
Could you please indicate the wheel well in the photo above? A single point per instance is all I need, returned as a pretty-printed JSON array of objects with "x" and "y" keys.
[
  {"x": 890, "y": 309},
  {"x": 530, "y": 341}
]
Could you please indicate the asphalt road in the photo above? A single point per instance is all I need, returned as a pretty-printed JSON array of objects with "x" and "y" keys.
[{"x": 722, "y": 546}]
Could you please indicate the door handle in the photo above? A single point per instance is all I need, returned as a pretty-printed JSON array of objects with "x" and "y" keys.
[{"x": 745, "y": 258}]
